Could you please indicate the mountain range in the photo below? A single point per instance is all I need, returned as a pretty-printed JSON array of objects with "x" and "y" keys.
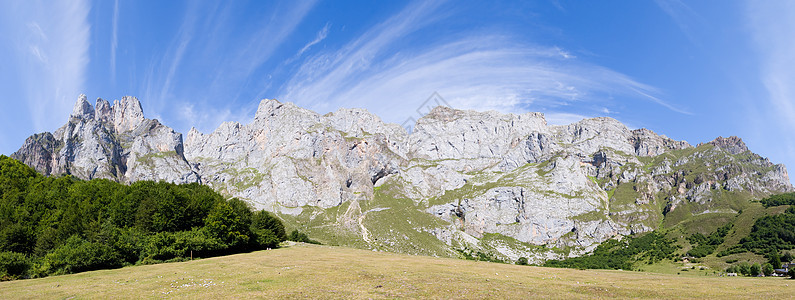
[{"x": 508, "y": 185}]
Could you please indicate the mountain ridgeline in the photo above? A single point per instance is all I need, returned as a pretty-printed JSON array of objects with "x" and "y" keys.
[{"x": 500, "y": 185}]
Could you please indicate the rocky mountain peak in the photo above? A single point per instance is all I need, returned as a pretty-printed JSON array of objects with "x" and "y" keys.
[
  {"x": 266, "y": 108},
  {"x": 104, "y": 113},
  {"x": 355, "y": 121},
  {"x": 732, "y": 144},
  {"x": 86, "y": 146},
  {"x": 83, "y": 109},
  {"x": 443, "y": 113},
  {"x": 127, "y": 114}
]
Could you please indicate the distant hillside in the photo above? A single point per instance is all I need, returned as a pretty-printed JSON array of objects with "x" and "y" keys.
[{"x": 461, "y": 184}]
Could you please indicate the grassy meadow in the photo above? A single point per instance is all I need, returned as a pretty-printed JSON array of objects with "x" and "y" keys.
[{"x": 311, "y": 271}]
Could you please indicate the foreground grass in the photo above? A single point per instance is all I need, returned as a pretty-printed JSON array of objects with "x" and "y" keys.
[{"x": 302, "y": 271}]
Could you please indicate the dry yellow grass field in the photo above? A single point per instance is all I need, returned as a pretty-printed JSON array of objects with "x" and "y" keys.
[{"x": 309, "y": 271}]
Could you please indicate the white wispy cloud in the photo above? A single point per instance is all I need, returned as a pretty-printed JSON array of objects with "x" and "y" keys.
[
  {"x": 243, "y": 62},
  {"x": 161, "y": 72},
  {"x": 771, "y": 25},
  {"x": 114, "y": 39},
  {"x": 355, "y": 58},
  {"x": 227, "y": 62},
  {"x": 176, "y": 59},
  {"x": 321, "y": 35},
  {"x": 685, "y": 18},
  {"x": 208, "y": 115},
  {"x": 483, "y": 71},
  {"x": 52, "y": 41}
]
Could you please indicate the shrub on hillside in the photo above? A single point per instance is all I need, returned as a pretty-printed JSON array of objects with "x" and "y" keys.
[
  {"x": 169, "y": 245},
  {"x": 767, "y": 269},
  {"x": 78, "y": 255},
  {"x": 755, "y": 270},
  {"x": 744, "y": 268},
  {"x": 786, "y": 257},
  {"x": 706, "y": 245},
  {"x": 267, "y": 230},
  {"x": 297, "y": 236},
  {"x": 13, "y": 265}
]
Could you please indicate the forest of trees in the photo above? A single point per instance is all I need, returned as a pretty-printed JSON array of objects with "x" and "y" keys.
[
  {"x": 622, "y": 254},
  {"x": 60, "y": 225},
  {"x": 770, "y": 235},
  {"x": 780, "y": 199}
]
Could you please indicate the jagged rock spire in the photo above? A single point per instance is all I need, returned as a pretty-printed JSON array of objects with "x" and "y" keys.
[
  {"x": 127, "y": 113},
  {"x": 266, "y": 107},
  {"x": 104, "y": 113},
  {"x": 82, "y": 108}
]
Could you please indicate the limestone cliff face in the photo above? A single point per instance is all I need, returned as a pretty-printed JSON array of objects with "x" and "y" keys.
[
  {"x": 112, "y": 141},
  {"x": 459, "y": 180},
  {"x": 290, "y": 157}
]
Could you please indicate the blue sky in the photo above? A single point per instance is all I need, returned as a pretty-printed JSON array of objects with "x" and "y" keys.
[{"x": 690, "y": 70}]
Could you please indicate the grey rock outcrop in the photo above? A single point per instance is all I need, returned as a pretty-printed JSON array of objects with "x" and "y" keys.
[
  {"x": 290, "y": 157},
  {"x": 732, "y": 144},
  {"x": 648, "y": 143}
]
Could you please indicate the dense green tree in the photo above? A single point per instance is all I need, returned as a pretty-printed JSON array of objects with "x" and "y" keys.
[
  {"x": 224, "y": 224},
  {"x": 772, "y": 233},
  {"x": 744, "y": 268},
  {"x": 775, "y": 259},
  {"x": 767, "y": 269},
  {"x": 267, "y": 229},
  {"x": 169, "y": 245},
  {"x": 298, "y": 236},
  {"x": 15, "y": 175},
  {"x": 755, "y": 269},
  {"x": 159, "y": 208},
  {"x": 786, "y": 257},
  {"x": 200, "y": 200},
  {"x": 16, "y": 238}
]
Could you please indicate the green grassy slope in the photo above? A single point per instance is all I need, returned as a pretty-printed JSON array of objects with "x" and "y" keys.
[{"x": 307, "y": 271}]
